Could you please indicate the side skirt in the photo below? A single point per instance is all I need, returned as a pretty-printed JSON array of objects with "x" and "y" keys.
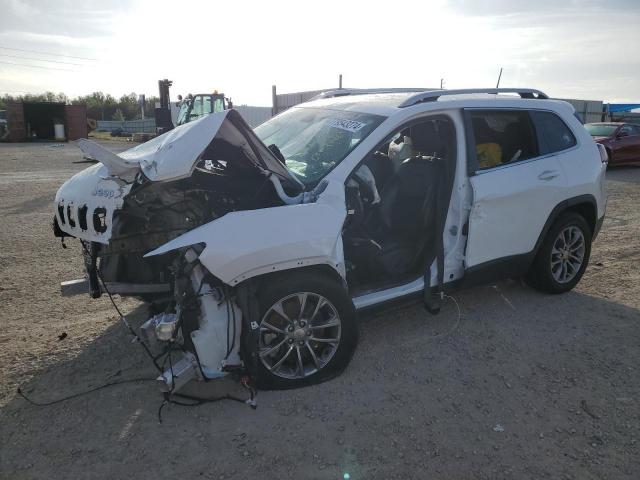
[{"x": 514, "y": 266}]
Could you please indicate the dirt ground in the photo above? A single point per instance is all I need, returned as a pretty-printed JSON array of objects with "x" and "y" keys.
[{"x": 522, "y": 385}]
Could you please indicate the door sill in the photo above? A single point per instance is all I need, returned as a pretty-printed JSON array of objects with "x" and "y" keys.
[{"x": 363, "y": 300}]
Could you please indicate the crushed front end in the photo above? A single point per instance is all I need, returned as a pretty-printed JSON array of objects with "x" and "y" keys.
[
  {"x": 202, "y": 323},
  {"x": 130, "y": 204}
]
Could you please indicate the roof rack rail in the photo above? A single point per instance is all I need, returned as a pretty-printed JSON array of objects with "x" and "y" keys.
[
  {"x": 434, "y": 95},
  {"x": 343, "y": 92}
]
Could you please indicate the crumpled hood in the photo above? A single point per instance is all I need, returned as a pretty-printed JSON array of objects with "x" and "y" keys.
[
  {"x": 85, "y": 204},
  {"x": 173, "y": 155}
]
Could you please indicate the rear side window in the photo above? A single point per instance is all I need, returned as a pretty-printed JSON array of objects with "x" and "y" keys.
[
  {"x": 630, "y": 130},
  {"x": 502, "y": 136},
  {"x": 553, "y": 134}
]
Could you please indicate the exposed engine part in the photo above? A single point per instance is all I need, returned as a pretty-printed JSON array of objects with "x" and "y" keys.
[
  {"x": 179, "y": 373},
  {"x": 303, "y": 197},
  {"x": 148, "y": 336},
  {"x": 166, "y": 324},
  {"x": 156, "y": 212},
  {"x": 204, "y": 326},
  {"x": 158, "y": 330},
  {"x": 217, "y": 340}
]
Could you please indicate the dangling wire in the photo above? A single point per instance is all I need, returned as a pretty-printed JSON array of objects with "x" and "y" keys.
[
  {"x": 81, "y": 394},
  {"x": 122, "y": 317}
]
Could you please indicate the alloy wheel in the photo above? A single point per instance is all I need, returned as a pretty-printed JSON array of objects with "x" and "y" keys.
[
  {"x": 567, "y": 254},
  {"x": 299, "y": 334}
]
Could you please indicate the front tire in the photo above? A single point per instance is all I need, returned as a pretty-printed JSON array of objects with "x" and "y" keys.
[
  {"x": 563, "y": 256},
  {"x": 308, "y": 331}
]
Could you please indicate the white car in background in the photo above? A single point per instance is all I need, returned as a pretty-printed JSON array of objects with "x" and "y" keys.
[{"x": 264, "y": 245}]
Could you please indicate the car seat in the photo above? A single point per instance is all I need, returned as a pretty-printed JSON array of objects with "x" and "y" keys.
[
  {"x": 488, "y": 149},
  {"x": 515, "y": 143},
  {"x": 407, "y": 206}
]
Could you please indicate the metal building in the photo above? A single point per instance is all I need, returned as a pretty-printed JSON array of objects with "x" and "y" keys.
[
  {"x": 283, "y": 101},
  {"x": 588, "y": 111}
]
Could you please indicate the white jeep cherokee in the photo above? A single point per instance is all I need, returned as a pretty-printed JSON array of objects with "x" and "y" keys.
[{"x": 262, "y": 246}]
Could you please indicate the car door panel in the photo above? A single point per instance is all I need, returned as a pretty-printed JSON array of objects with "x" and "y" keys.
[
  {"x": 625, "y": 145},
  {"x": 510, "y": 207},
  {"x": 635, "y": 146}
]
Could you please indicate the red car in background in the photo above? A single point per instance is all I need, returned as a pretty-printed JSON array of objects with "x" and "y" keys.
[{"x": 622, "y": 141}]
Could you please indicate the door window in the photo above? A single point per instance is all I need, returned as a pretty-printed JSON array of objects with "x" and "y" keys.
[
  {"x": 553, "y": 134},
  {"x": 626, "y": 131},
  {"x": 502, "y": 137}
]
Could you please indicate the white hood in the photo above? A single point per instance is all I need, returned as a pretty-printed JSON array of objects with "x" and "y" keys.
[
  {"x": 85, "y": 204},
  {"x": 174, "y": 154}
]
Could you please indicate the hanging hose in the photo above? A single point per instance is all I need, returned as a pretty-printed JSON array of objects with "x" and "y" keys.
[
  {"x": 303, "y": 197},
  {"x": 283, "y": 195}
]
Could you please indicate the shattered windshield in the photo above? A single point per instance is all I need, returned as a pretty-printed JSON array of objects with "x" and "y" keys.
[{"x": 313, "y": 141}]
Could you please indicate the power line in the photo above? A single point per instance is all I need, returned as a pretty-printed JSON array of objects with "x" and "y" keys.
[
  {"x": 42, "y": 60},
  {"x": 47, "y": 53},
  {"x": 38, "y": 66}
]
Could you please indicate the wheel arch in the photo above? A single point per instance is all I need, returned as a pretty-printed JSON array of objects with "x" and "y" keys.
[
  {"x": 584, "y": 205},
  {"x": 258, "y": 292},
  {"x": 323, "y": 270},
  {"x": 517, "y": 265}
]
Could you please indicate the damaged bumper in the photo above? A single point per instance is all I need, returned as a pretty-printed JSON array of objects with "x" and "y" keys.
[{"x": 85, "y": 204}]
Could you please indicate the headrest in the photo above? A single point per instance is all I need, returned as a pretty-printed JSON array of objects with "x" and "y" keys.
[{"x": 426, "y": 139}]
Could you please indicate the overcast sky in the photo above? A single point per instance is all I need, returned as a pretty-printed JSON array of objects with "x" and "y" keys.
[{"x": 571, "y": 48}]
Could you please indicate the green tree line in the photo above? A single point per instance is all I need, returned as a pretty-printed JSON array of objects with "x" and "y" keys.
[{"x": 100, "y": 106}]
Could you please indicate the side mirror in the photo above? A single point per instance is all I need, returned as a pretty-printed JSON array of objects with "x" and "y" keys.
[{"x": 622, "y": 133}]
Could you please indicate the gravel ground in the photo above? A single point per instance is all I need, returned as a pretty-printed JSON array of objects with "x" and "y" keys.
[{"x": 521, "y": 385}]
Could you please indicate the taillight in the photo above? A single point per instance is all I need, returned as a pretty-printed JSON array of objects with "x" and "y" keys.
[{"x": 604, "y": 156}]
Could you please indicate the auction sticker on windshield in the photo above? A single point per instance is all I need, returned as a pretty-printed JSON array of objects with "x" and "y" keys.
[{"x": 348, "y": 125}]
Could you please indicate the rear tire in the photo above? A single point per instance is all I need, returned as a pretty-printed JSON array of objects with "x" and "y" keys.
[
  {"x": 298, "y": 349},
  {"x": 563, "y": 255}
]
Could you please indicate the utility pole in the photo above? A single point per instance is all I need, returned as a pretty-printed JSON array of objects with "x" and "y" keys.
[
  {"x": 142, "y": 103},
  {"x": 274, "y": 101}
]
